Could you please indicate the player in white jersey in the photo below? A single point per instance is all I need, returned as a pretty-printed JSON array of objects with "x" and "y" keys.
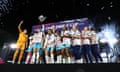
[
  {"x": 67, "y": 44},
  {"x": 58, "y": 47},
  {"x": 86, "y": 44},
  {"x": 29, "y": 50},
  {"x": 76, "y": 43},
  {"x": 94, "y": 46},
  {"x": 49, "y": 47},
  {"x": 38, "y": 41}
]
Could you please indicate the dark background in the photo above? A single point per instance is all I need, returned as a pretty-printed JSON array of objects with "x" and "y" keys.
[{"x": 55, "y": 10}]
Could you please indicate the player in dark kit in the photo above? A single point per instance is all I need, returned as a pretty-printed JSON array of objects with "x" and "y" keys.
[
  {"x": 86, "y": 44},
  {"x": 94, "y": 46},
  {"x": 76, "y": 43}
]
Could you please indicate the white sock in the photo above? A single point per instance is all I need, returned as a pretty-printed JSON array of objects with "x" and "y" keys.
[
  {"x": 27, "y": 59},
  {"x": 13, "y": 61},
  {"x": 47, "y": 59},
  {"x": 69, "y": 60},
  {"x": 78, "y": 61},
  {"x": 18, "y": 62},
  {"x": 81, "y": 60},
  {"x": 37, "y": 58},
  {"x": 52, "y": 58},
  {"x": 40, "y": 61},
  {"x": 57, "y": 59},
  {"x": 64, "y": 61},
  {"x": 72, "y": 60},
  {"x": 33, "y": 59},
  {"x": 60, "y": 58}
]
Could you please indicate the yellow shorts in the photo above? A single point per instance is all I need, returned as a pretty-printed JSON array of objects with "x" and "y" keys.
[{"x": 21, "y": 45}]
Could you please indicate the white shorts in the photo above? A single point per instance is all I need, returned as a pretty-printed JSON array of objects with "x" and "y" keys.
[
  {"x": 66, "y": 41},
  {"x": 76, "y": 42},
  {"x": 86, "y": 41}
]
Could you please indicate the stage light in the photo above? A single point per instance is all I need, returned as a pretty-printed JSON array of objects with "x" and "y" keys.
[
  {"x": 109, "y": 32},
  {"x": 103, "y": 40},
  {"x": 103, "y": 54},
  {"x": 114, "y": 40},
  {"x": 13, "y": 45}
]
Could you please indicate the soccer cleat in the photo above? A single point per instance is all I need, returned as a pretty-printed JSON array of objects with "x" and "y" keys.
[
  {"x": 13, "y": 62},
  {"x": 18, "y": 62},
  {"x": 37, "y": 61}
]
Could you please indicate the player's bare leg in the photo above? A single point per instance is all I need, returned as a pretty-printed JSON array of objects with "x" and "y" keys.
[
  {"x": 37, "y": 57},
  {"x": 63, "y": 56},
  {"x": 47, "y": 57},
  {"x": 15, "y": 55},
  {"x": 20, "y": 56},
  {"x": 28, "y": 57},
  {"x": 52, "y": 55},
  {"x": 33, "y": 57},
  {"x": 68, "y": 55}
]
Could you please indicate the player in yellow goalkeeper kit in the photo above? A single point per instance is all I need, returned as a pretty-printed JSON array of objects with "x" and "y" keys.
[{"x": 21, "y": 43}]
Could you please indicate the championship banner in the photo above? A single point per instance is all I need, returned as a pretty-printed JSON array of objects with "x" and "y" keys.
[{"x": 81, "y": 23}]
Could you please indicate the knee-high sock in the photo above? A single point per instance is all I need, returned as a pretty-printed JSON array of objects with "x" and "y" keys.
[
  {"x": 52, "y": 58},
  {"x": 72, "y": 60},
  {"x": 40, "y": 61},
  {"x": 15, "y": 55},
  {"x": 33, "y": 58},
  {"x": 60, "y": 58},
  {"x": 81, "y": 60},
  {"x": 64, "y": 61},
  {"x": 69, "y": 60},
  {"x": 27, "y": 59},
  {"x": 47, "y": 59},
  {"x": 37, "y": 57},
  {"x": 21, "y": 56}
]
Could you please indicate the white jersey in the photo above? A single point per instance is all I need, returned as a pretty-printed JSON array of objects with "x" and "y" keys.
[
  {"x": 94, "y": 38},
  {"x": 65, "y": 39},
  {"x": 30, "y": 41},
  {"x": 76, "y": 41},
  {"x": 50, "y": 40},
  {"x": 37, "y": 37},
  {"x": 58, "y": 41},
  {"x": 84, "y": 35}
]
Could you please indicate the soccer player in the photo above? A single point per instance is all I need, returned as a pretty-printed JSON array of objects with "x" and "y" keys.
[
  {"x": 21, "y": 43},
  {"x": 53, "y": 29},
  {"x": 76, "y": 43},
  {"x": 49, "y": 47},
  {"x": 41, "y": 61},
  {"x": 38, "y": 41},
  {"x": 86, "y": 44},
  {"x": 58, "y": 47},
  {"x": 94, "y": 46},
  {"x": 67, "y": 44},
  {"x": 29, "y": 50}
]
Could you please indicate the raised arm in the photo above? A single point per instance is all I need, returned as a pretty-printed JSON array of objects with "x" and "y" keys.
[{"x": 19, "y": 26}]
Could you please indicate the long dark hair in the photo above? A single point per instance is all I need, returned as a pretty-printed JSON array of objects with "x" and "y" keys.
[{"x": 65, "y": 28}]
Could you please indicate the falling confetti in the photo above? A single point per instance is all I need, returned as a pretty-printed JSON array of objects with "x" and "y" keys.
[
  {"x": 88, "y": 4},
  {"x": 102, "y": 8}
]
